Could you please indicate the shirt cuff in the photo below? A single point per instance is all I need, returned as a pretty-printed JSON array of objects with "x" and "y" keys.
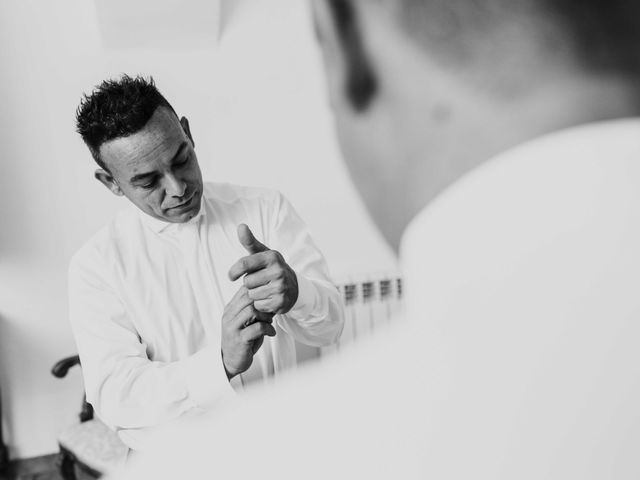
[
  {"x": 206, "y": 378},
  {"x": 306, "y": 302}
]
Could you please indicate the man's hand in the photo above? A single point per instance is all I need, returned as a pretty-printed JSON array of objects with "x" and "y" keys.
[
  {"x": 243, "y": 331},
  {"x": 271, "y": 283}
]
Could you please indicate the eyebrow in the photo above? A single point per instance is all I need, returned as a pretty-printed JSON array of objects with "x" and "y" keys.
[{"x": 144, "y": 176}]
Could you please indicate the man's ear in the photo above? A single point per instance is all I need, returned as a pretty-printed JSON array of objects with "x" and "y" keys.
[
  {"x": 185, "y": 126},
  {"x": 105, "y": 178},
  {"x": 346, "y": 60}
]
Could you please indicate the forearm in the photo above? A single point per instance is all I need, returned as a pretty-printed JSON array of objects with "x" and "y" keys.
[
  {"x": 317, "y": 317},
  {"x": 134, "y": 392}
]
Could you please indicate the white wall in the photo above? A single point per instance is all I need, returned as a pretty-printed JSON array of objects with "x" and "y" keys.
[{"x": 256, "y": 104}]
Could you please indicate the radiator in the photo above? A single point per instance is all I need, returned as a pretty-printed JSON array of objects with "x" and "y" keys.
[{"x": 369, "y": 303}]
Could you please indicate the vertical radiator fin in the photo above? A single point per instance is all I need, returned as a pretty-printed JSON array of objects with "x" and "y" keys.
[{"x": 370, "y": 303}]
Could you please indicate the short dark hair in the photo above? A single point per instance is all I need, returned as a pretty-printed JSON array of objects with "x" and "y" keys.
[
  {"x": 606, "y": 34},
  {"x": 603, "y": 36},
  {"x": 117, "y": 108}
]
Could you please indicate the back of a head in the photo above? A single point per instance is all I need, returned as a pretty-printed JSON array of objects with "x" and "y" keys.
[
  {"x": 602, "y": 35},
  {"x": 409, "y": 78},
  {"x": 599, "y": 38},
  {"x": 605, "y": 35},
  {"x": 117, "y": 108}
]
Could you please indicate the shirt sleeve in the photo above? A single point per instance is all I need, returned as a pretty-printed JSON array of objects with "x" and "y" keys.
[
  {"x": 128, "y": 391},
  {"x": 317, "y": 318}
]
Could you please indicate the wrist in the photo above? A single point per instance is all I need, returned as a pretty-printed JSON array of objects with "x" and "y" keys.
[
  {"x": 294, "y": 291},
  {"x": 229, "y": 374}
]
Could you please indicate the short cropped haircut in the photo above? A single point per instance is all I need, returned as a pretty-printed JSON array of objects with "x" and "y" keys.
[
  {"x": 605, "y": 34},
  {"x": 602, "y": 36},
  {"x": 117, "y": 108}
]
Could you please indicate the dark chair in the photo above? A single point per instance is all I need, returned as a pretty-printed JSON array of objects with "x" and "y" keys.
[{"x": 90, "y": 448}]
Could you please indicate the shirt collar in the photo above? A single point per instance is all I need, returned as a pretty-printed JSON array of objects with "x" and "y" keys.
[
  {"x": 559, "y": 154},
  {"x": 595, "y": 138},
  {"x": 159, "y": 226}
]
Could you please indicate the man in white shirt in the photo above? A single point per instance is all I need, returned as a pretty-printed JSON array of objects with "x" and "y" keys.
[
  {"x": 175, "y": 304},
  {"x": 497, "y": 145}
]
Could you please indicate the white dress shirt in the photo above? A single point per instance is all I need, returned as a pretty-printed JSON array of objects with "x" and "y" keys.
[
  {"x": 519, "y": 357},
  {"x": 147, "y": 298},
  {"x": 525, "y": 278}
]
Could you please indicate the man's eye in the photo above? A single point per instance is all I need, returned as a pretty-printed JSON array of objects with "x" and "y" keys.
[{"x": 149, "y": 185}]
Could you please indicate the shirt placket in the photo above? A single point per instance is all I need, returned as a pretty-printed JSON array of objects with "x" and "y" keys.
[{"x": 206, "y": 291}]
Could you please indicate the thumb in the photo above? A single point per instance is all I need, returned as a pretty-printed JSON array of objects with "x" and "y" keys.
[{"x": 248, "y": 241}]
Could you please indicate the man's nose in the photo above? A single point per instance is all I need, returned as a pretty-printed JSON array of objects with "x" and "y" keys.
[{"x": 175, "y": 187}]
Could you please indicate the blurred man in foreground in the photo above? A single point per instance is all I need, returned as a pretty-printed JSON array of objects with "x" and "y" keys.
[{"x": 494, "y": 142}]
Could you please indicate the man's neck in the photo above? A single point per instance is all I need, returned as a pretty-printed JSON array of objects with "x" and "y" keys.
[{"x": 479, "y": 129}]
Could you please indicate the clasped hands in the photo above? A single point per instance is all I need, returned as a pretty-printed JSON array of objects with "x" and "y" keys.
[{"x": 270, "y": 287}]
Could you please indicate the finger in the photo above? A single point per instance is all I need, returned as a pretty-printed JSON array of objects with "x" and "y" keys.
[
  {"x": 237, "y": 303},
  {"x": 251, "y": 263},
  {"x": 257, "y": 330},
  {"x": 264, "y": 316},
  {"x": 248, "y": 241},
  {"x": 263, "y": 292},
  {"x": 269, "y": 305},
  {"x": 245, "y": 317},
  {"x": 249, "y": 316},
  {"x": 257, "y": 316},
  {"x": 236, "y": 296},
  {"x": 257, "y": 344},
  {"x": 262, "y": 277}
]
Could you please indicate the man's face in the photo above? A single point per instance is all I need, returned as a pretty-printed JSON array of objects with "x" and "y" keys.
[{"x": 156, "y": 168}]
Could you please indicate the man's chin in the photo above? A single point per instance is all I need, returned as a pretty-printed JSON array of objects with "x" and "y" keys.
[
  {"x": 185, "y": 212},
  {"x": 183, "y": 215}
]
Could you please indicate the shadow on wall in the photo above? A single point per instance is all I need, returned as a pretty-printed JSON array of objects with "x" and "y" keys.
[
  {"x": 33, "y": 406},
  {"x": 158, "y": 23},
  {"x": 6, "y": 352},
  {"x": 16, "y": 233},
  {"x": 228, "y": 10}
]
